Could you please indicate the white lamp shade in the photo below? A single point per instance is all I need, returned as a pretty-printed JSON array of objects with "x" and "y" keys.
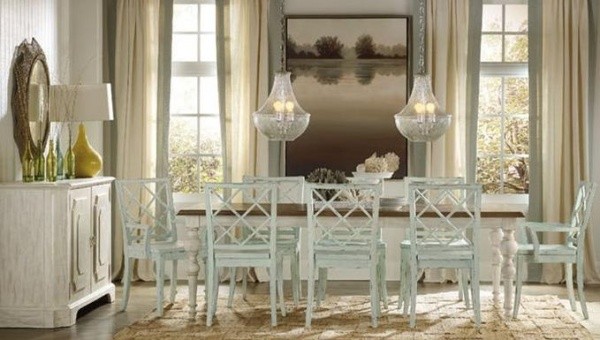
[{"x": 87, "y": 103}]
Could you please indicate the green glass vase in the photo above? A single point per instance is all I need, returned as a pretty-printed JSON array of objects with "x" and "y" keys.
[
  {"x": 51, "y": 169},
  {"x": 28, "y": 164},
  {"x": 40, "y": 164},
  {"x": 69, "y": 163},
  {"x": 60, "y": 169}
]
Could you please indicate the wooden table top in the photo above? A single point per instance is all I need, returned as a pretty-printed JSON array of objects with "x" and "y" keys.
[{"x": 488, "y": 210}]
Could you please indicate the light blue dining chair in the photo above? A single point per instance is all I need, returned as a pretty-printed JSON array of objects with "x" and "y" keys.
[
  {"x": 463, "y": 275},
  {"x": 569, "y": 253},
  {"x": 241, "y": 239},
  {"x": 289, "y": 190},
  {"x": 344, "y": 231},
  {"x": 149, "y": 231},
  {"x": 444, "y": 233}
]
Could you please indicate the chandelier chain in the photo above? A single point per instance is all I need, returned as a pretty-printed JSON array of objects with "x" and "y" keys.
[
  {"x": 282, "y": 28},
  {"x": 421, "y": 32}
]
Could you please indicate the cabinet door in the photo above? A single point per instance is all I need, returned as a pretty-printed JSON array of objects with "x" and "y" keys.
[
  {"x": 80, "y": 242},
  {"x": 101, "y": 228}
]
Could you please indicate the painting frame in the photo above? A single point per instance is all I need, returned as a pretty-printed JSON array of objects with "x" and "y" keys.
[{"x": 373, "y": 76}]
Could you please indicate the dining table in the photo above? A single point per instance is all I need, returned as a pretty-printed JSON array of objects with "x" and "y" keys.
[{"x": 503, "y": 217}]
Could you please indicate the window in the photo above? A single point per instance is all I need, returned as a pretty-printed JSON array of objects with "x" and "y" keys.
[
  {"x": 195, "y": 153},
  {"x": 503, "y": 124}
]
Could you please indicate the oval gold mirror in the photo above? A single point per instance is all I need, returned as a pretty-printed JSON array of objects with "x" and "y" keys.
[{"x": 30, "y": 98}]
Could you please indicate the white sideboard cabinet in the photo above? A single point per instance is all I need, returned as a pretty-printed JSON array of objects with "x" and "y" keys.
[{"x": 55, "y": 250}]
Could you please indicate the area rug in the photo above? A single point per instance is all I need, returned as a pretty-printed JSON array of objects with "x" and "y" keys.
[{"x": 439, "y": 316}]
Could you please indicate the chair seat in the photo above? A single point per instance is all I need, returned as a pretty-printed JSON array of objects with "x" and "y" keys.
[{"x": 458, "y": 250}]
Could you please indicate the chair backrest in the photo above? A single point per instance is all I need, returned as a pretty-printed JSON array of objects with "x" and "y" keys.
[
  {"x": 444, "y": 215},
  {"x": 580, "y": 216},
  {"x": 241, "y": 226},
  {"x": 431, "y": 180},
  {"x": 347, "y": 217},
  {"x": 289, "y": 189},
  {"x": 146, "y": 202}
]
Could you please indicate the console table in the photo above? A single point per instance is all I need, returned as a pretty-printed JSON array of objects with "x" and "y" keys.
[{"x": 55, "y": 250}]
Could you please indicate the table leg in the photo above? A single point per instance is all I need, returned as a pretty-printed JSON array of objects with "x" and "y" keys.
[
  {"x": 509, "y": 248},
  {"x": 192, "y": 247},
  {"x": 496, "y": 238}
]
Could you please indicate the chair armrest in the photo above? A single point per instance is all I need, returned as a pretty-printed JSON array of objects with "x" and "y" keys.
[
  {"x": 547, "y": 227},
  {"x": 534, "y": 227}
]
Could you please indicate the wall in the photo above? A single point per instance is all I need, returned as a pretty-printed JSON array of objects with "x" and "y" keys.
[
  {"x": 67, "y": 37},
  {"x": 19, "y": 20}
]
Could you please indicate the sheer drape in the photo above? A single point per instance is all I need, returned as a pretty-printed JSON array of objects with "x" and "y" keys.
[
  {"x": 243, "y": 84},
  {"x": 447, "y": 43},
  {"x": 138, "y": 102},
  {"x": 563, "y": 116}
]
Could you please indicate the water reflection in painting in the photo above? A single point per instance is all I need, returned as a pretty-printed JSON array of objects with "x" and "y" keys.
[{"x": 351, "y": 74}]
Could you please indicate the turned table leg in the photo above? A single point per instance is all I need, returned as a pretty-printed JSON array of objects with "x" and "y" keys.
[
  {"x": 509, "y": 248},
  {"x": 192, "y": 247},
  {"x": 496, "y": 238}
]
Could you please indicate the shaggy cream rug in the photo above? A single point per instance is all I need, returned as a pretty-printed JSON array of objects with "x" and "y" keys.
[{"x": 439, "y": 316}]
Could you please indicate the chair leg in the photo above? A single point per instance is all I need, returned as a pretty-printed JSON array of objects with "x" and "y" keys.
[
  {"x": 211, "y": 292},
  {"x": 374, "y": 283},
  {"x": 464, "y": 287},
  {"x": 126, "y": 282},
  {"x": 322, "y": 288},
  {"x": 160, "y": 282},
  {"x": 279, "y": 278},
  {"x": 382, "y": 279},
  {"x": 580, "y": 289},
  {"x": 296, "y": 283},
  {"x": 232, "y": 283},
  {"x": 402, "y": 281},
  {"x": 413, "y": 292},
  {"x": 244, "y": 282},
  {"x": 518, "y": 285},
  {"x": 310, "y": 295},
  {"x": 273, "y": 293},
  {"x": 173, "y": 281},
  {"x": 475, "y": 293},
  {"x": 569, "y": 280}
]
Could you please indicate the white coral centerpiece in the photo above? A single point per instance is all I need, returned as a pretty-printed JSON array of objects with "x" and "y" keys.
[{"x": 390, "y": 162}]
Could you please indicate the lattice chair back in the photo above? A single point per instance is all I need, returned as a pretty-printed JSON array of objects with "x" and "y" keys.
[
  {"x": 431, "y": 180},
  {"x": 289, "y": 189},
  {"x": 444, "y": 215},
  {"x": 343, "y": 216},
  {"x": 232, "y": 230},
  {"x": 580, "y": 216},
  {"x": 146, "y": 203}
]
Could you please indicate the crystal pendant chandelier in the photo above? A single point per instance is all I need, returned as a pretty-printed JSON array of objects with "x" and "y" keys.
[
  {"x": 281, "y": 118},
  {"x": 422, "y": 119}
]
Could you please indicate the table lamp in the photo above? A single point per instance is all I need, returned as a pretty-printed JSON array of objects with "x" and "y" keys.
[{"x": 89, "y": 103}]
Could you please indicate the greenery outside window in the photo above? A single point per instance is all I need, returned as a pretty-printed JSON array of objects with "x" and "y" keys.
[
  {"x": 195, "y": 151},
  {"x": 503, "y": 123}
]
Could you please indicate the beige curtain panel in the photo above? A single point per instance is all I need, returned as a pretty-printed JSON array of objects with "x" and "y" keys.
[
  {"x": 563, "y": 115},
  {"x": 136, "y": 83}
]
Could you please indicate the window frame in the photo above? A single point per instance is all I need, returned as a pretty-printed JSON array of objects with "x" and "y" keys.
[
  {"x": 195, "y": 69},
  {"x": 503, "y": 69}
]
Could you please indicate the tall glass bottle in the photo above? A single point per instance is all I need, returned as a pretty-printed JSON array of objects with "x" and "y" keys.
[
  {"x": 27, "y": 164},
  {"x": 60, "y": 170},
  {"x": 51, "y": 164},
  {"x": 40, "y": 164},
  {"x": 69, "y": 162}
]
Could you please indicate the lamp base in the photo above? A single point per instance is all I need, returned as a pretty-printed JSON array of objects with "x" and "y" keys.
[{"x": 88, "y": 162}]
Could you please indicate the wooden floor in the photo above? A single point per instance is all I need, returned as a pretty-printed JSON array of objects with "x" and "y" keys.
[{"x": 102, "y": 320}]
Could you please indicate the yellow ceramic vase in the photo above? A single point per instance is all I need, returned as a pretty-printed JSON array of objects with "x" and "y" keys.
[{"x": 88, "y": 162}]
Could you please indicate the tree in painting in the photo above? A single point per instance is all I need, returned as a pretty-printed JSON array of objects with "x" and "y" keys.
[
  {"x": 364, "y": 47},
  {"x": 329, "y": 47}
]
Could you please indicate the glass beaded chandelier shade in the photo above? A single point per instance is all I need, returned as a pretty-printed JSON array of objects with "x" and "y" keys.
[
  {"x": 281, "y": 118},
  {"x": 422, "y": 119}
]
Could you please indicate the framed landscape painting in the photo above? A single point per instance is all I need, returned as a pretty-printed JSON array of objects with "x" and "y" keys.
[{"x": 351, "y": 74}]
